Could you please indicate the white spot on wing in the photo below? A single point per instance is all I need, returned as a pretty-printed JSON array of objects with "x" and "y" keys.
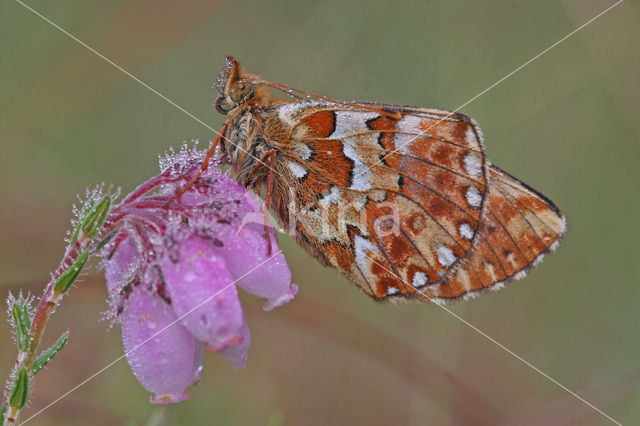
[
  {"x": 496, "y": 287},
  {"x": 466, "y": 231},
  {"x": 402, "y": 141},
  {"x": 350, "y": 122},
  {"x": 419, "y": 280},
  {"x": 520, "y": 275},
  {"x": 331, "y": 198},
  {"x": 474, "y": 198},
  {"x": 472, "y": 165},
  {"x": 289, "y": 112},
  {"x": 297, "y": 170},
  {"x": 470, "y": 135},
  {"x": 363, "y": 247},
  {"x": 378, "y": 195},
  {"x": 392, "y": 290},
  {"x": 446, "y": 256},
  {"x": 303, "y": 151},
  {"x": 361, "y": 173},
  {"x": 470, "y": 295}
]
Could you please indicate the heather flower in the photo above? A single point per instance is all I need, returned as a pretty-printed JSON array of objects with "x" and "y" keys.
[
  {"x": 173, "y": 268},
  {"x": 168, "y": 363}
]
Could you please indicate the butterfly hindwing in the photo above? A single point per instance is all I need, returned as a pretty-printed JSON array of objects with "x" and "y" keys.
[
  {"x": 518, "y": 228},
  {"x": 402, "y": 194}
]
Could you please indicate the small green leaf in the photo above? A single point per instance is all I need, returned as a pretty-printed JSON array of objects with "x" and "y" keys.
[
  {"x": 92, "y": 223},
  {"x": 49, "y": 354},
  {"x": 26, "y": 318},
  {"x": 81, "y": 220},
  {"x": 22, "y": 322},
  {"x": 20, "y": 391},
  {"x": 67, "y": 278},
  {"x": 3, "y": 409},
  {"x": 103, "y": 242}
]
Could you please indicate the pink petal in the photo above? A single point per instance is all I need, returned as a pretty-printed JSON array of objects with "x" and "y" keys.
[
  {"x": 197, "y": 363},
  {"x": 260, "y": 274},
  {"x": 160, "y": 351},
  {"x": 236, "y": 355},
  {"x": 119, "y": 265},
  {"x": 203, "y": 295}
]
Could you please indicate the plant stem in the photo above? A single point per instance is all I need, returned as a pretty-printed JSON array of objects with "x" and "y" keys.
[{"x": 46, "y": 304}]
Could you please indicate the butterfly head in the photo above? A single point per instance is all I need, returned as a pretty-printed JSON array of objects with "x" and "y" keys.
[{"x": 235, "y": 89}]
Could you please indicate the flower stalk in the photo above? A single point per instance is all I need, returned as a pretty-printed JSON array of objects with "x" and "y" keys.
[{"x": 29, "y": 328}]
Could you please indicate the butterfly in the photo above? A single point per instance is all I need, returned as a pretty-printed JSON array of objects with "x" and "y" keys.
[{"x": 400, "y": 200}]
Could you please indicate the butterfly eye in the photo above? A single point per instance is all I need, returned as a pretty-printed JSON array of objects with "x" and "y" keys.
[
  {"x": 242, "y": 91},
  {"x": 219, "y": 106}
]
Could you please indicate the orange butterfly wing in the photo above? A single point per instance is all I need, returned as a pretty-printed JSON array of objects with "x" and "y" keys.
[
  {"x": 401, "y": 200},
  {"x": 518, "y": 228},
  {"x": 394, "y": 204}
]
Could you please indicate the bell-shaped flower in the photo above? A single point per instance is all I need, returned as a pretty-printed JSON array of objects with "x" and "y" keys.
[
  {"x": 163, "y": 355},
  {"x": 173, "y": 270},
  {"x": 203, "y": 293}
]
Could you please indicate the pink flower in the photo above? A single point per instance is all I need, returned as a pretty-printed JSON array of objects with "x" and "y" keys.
[
  {"x": 164, "y": 355},
  {"x": 202, "y": 293},
  {"x": 173, "y": 269}
]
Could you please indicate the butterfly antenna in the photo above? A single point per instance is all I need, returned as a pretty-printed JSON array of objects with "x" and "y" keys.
[{"x": 290, "y": 90}]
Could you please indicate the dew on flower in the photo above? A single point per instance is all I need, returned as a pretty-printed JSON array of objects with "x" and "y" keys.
[{"x": 174, "y": 269}]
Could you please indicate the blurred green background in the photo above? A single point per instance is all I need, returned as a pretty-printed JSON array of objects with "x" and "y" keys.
[{"x": 568, "y": 124}]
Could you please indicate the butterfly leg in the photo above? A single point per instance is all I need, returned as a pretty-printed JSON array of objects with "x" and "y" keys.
[
  {"x": 268, "y": 201},
  {"x": 205, "y": 163},
  {"x": 271, "y": 156}
]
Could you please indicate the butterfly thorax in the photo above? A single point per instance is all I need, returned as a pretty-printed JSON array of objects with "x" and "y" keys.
[
  {"x": 244, "y": 146},
  {"x": 246, "y": 107}
]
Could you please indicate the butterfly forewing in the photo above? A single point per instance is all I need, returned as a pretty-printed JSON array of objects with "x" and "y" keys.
[{"x": 402, "y": 194}]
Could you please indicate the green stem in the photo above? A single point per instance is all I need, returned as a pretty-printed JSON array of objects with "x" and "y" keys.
[{"x": 81, "y": 249}]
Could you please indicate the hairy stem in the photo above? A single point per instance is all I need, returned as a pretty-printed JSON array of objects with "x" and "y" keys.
[
  {"x": 49, "y": 300},
  {"x": 46, "y": 304}
]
